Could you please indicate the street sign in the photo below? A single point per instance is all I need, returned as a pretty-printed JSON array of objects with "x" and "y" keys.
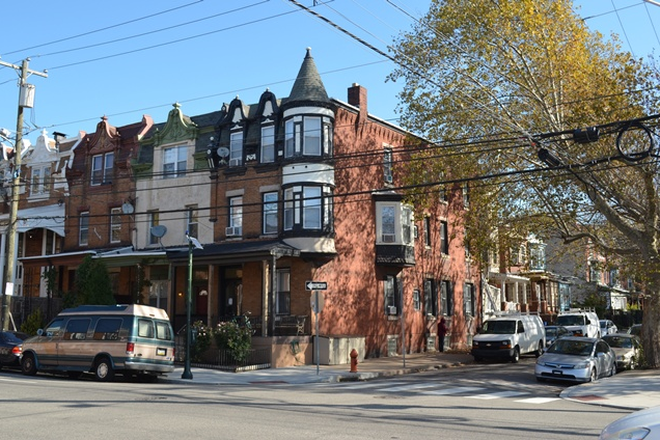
[{"x": 316, "y": 285}]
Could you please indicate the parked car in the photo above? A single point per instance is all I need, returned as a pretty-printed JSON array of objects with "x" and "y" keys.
[
  {"x": 554, "y": 332},
  {"x": 636, "y": 330},
  {"x": 509, "y": 336},
  {"x": 11, "y": 346},
  {"x": 580, "y": 322},
  {"x": 627, "y": 349},
  {"x": 576, "y": 359},
  {"x": 643, "y": 424},
  {"x": 607, "y": 327}
]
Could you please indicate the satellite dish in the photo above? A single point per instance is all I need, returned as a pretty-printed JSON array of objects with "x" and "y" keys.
[
  {"x": 223, "y": 152},
  {"x": 158, "y": 231},
  {"x": 127, "y": 208}
]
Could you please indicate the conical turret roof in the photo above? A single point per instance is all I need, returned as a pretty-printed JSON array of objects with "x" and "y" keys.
[{"x": 308, "y": 86}]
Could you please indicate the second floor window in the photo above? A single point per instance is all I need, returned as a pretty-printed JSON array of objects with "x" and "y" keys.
[
  {"x": 175, "y": 161},
  {"x": 115, "y": 225},
  {"x": 394, "y": 223},
  {"x": 268, "y": 144},
  {"x": 444, "y": 238},
  {"x": 102, "y": 165},
  {"x": 40, "y": 181},
  {"x": 235, "y": 223},
  {"x": 83, "y": 231},
  {"x": 154, "y": 220},
  {"x": 307, "y": 207},
  {"x": 192, "y": 223},
  {"x": 270, "y": 213}
]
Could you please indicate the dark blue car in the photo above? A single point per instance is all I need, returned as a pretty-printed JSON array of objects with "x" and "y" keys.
[{"x": 11, "y": 344}]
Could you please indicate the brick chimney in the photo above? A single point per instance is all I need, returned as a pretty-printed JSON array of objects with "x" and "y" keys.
[{"x": 357, "y": 96}]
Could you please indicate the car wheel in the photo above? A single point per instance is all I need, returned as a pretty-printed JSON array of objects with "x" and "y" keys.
[
  {"x": 28, "y": 365},
  {"x": 539, "y": 352},
  {"x": 103, "y": 370},
  {"x": 516, "y": 355},
  {"x": 612, "y": 370},
  {"x": 594, "y": 375}
]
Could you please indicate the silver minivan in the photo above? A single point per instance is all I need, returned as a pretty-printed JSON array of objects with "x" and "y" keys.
[{"x": 134, "y": 340}]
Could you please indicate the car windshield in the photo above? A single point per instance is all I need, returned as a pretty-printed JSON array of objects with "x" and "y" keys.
[
  {"x": 570, "y": 320},
  {"x": 571, "y": 347},
  {"x": 499, "y": 327},
  {"x": 551, "y": 331},
  {"x": 618, "y": 342}
]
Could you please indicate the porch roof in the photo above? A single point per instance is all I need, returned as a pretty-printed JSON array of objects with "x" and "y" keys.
[{"x": 235, "y": 251}]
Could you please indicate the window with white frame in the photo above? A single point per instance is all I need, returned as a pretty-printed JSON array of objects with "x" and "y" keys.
[
  {"x": 175, "y": 161},
  {"x": 115, "y": 225},
  {"x": 468, "y": 299},
  {"x": 394, "y": 223},
  {"x": 102, "y": 165},
  {"x": 236, "y": 213},
  {"x": 392, "y": 289},
  {"x": 154, "y": 220},
  {"x": 268, "y": 144},
  {"x": 307, "y": 136},
  {"x": 446, "y": 297},
  {"x": 283, "y": 301},
  {"x": 270, "y": 213},
  {"x": 236, "y": 148},
  {"x": 192, "y": 223},
  {"x": 83, "y": 229},
  {"x": 35, "y": 188},
  {"x": 308, "y": 208},
  {"x": 388, "y": 224}
]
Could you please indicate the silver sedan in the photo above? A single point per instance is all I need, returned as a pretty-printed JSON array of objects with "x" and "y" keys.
[{"x": 576, "y": 359}]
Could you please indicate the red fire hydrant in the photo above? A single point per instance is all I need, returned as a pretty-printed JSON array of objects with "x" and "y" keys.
[{"x": 354, "y": 361}]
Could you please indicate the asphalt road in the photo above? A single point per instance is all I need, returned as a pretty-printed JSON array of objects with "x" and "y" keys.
[{"x": 483, "y": 401}]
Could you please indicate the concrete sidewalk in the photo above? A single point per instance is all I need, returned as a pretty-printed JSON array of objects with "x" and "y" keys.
[{"x": 634, "y": 390}]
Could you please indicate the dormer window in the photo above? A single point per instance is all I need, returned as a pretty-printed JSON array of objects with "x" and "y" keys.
[
  {"x": 268, "y": 144},
  {"x": 236, "y": 149},
  {"x": 307, "y": 136},
  {"x": 102, "y": 165}
]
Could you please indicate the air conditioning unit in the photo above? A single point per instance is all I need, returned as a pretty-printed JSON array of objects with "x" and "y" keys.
[
  {"x": 391, "y": 310},
  {"x": 388, "y": 238},
  {"x": 234, "y": 231},
  {"x": 234, "y": 162}
]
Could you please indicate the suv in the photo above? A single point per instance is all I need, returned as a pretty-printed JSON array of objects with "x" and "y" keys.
[
  {"x": 580, "y": 322},
  {"x": 509, "y": 336}
]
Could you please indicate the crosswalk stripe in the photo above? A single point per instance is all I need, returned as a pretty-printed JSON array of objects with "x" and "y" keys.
[
  {"x": 498, "y": 395},
  {"x": 454, "y": 390},
  {"x": 538, "y": 400},
  {"x": 364, "y": 385},
  {"x": 409, "y": 387}
]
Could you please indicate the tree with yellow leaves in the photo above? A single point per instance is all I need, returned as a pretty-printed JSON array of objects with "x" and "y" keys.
[{"x": 507, "y": 90}]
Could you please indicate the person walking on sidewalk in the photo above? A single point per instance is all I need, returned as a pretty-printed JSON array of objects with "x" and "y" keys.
[{"x": 442, "y": 331}]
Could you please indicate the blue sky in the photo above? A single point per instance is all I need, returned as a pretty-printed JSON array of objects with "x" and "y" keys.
[{"x": 124, "y": 58}]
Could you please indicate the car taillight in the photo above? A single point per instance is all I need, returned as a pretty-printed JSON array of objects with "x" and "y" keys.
[
  {"x": 17, "y": 350},
  {"x": 130, "y": 348}
]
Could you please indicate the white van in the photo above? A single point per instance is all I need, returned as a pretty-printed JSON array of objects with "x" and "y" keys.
[
  {"x": 131, "y": 339},
  {"x": 581, "y": 322},
  {"x": 508, "y": 336}
]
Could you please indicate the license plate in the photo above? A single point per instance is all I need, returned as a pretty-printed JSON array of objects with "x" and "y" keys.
[
  {"x": 161, "y": 351},
  {"x": 557, "y": 372}
]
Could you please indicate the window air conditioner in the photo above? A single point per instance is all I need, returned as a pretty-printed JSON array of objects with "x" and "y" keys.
[
  {"x": 234, "y": 162},
  {"x": 233, "y": 231},
  {"x": 391, "y": 310},
  {"x": 388, "y": 238}
]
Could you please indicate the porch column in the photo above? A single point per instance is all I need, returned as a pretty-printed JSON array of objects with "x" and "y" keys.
[{"x": 265, "y": 288}]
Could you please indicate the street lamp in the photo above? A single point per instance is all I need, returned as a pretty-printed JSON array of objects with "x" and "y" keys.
[{"x": 192, "y": 241}]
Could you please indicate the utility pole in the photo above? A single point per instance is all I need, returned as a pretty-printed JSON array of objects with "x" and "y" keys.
[{"x": 24, "y": 100}]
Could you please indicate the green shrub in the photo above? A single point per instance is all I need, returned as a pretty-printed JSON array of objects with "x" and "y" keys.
[
  {"x": 235, "y": 336},
  {"x": 34, "y": 322}
]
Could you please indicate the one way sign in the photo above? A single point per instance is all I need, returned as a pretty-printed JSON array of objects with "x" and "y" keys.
[{"x": 316, "y": 285}]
